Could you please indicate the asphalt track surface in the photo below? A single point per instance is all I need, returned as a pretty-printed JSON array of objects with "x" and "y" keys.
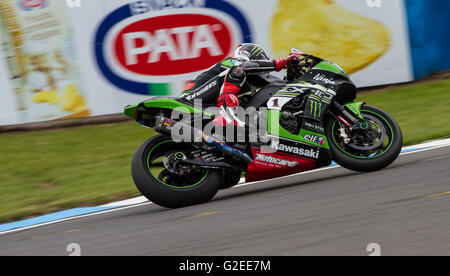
[{"x": 404, "y": 208}]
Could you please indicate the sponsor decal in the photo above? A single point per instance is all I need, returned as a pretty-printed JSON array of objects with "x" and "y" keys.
[
  {"x": 144, "y": 44},
  {"x": 314, "y": 139},
  {"x": 191, "y": 96},
  {"x": 324, "y": 95},
  {"x": 311, "y": 138},
  {"x": 321, "y": 141},
  {"x": 314, "y": 127},
  {"x": 29, "y": 5},
  {"x": 162, "y": 46},
  {"x": 311, "y": 153},
  {"x": 324, "y": 79},
  {"x": 293, "y": 89},
  {"x": 276, "y": 161}
]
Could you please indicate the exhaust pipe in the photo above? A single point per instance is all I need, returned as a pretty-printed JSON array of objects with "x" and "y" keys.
[
  {"x": 227, "y": 150},
  {"x": 164, "y": 125}
]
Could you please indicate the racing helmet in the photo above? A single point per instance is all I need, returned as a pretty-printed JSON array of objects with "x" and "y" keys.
[{"x": 250, "y": 51}]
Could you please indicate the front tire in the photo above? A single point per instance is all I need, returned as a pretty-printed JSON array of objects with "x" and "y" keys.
[
  {"x": 168, "y": 189},
  {"x": 362, "y": 154}
]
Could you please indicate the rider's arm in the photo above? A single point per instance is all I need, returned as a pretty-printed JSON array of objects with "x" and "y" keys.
[
  {"x": 203, "y": 78},
  {"x": 256, "y": 67}
]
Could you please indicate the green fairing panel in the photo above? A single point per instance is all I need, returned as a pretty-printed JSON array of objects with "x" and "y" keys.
[
  {"x": 274, "y": 128},
  {"x": 130, "y": 111},
  {"x": 168, "y": 103},
  {"x": 355, "y": 108}
]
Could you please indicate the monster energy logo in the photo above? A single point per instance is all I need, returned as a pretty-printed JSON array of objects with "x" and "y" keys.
[
  {"x": 316, "y": 109},
  {"x": 256, "y": 51}
]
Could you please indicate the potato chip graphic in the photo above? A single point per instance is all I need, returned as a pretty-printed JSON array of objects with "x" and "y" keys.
[
  {"x": 327, "y": 30},
  {"x": 49, "y": 96},
  {"x": 73, "y": 101}
]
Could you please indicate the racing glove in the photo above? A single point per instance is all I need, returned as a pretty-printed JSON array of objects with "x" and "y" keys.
[
  {"x": 288, "y": 62},
  {"x": 227, "y": 102}
]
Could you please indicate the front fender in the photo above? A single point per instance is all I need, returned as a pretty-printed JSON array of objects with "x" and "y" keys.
[{"x": 355, "y": 108}]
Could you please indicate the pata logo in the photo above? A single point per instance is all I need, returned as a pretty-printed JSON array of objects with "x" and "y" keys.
[{"x": 143, "y": 45}]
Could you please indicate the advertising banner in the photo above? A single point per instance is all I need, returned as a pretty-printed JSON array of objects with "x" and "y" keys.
[
  {"x": 94, "y": 58},
  {"x": 40, "y": 61}
]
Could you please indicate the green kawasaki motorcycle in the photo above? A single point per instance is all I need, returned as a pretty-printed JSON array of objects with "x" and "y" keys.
[{"x": 310, "y": 120}]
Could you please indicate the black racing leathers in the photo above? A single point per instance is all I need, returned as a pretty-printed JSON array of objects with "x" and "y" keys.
[{"x": 228, "y": 76}]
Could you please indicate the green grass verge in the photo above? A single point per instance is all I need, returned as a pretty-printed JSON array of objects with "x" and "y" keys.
[
  {"x": 46, "y": 171},
  {"x": 422, "y": 110}
]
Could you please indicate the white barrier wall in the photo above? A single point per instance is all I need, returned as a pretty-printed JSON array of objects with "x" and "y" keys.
[{"x": 60, "y": 62}]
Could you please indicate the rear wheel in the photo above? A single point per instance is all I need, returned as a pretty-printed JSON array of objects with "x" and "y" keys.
[
  {"x": 230, "y": 179},
  {"x": 372, "y": 148},
  {"x": 158, "y": 181}
]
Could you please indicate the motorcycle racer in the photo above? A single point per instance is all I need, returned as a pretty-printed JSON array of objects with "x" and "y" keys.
[
  {"x": 314, "y": 106},
  {"x": 223, "y": 81}
]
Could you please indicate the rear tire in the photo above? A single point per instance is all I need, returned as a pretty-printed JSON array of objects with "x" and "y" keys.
[
  {"x": 230, "y": 179},
  {"x": 365, "y": 161},
  {"x": 170, "y": 195}
]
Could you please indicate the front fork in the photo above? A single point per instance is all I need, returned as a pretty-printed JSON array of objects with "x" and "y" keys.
[{"x": 351, "y": 121}]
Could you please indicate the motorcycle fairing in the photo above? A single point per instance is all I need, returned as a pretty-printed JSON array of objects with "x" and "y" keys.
[
  {"x": 316, "y": 136},
  {"x": 165, "y": 103},
  {"x": 283, "y": 157},
  {"x": 272, "y": 165}
]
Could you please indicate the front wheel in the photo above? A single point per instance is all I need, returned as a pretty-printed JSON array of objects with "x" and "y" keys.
[
  {"x": 375, "y": 146},
  {"x": 164, "y": 187}
]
